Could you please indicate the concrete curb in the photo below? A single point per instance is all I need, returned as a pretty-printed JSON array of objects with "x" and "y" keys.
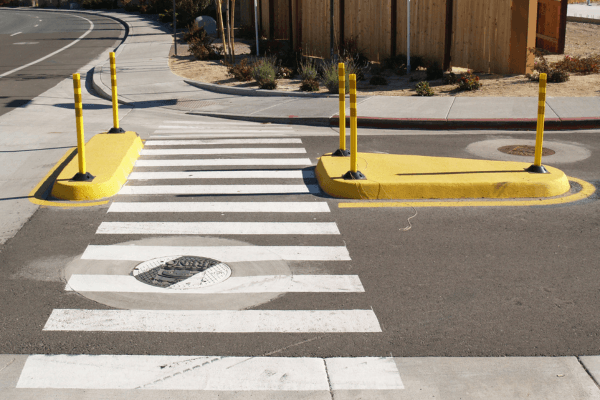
[
  {"x": 110, "y": 157},
  {"x": 584, "y": 20},
  {"x": 212, "y": 87}
]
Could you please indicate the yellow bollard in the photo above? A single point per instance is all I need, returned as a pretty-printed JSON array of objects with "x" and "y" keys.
[
  {"x": 115, "y": 98},
  {"x": 539, "y": 137},
  {"x": 342, "y": 152},
  {"x": 354, "y": 173},
  {"x": 82, "y": 175}
]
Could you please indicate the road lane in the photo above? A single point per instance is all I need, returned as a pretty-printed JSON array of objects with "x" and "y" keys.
[{"x": 28, "y": 36}]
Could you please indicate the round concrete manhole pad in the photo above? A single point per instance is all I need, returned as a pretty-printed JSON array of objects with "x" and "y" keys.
[
  {"x": 524, "y": 150},
  {"x": 182, "y": 272}
]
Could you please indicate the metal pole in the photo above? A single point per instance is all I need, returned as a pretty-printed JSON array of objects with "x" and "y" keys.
[
  {"x": 408, "y": 37},
  {"x": 331, "y": 27},
  {"x": 175, "y": 26},
  {"x": 256, "y": 27}
]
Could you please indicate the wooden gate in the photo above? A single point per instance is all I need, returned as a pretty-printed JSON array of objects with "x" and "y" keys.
[{"x": 551, "y": 25}]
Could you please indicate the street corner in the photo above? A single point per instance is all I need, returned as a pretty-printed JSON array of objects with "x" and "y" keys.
[
  {"x": 108, "y": 159},
  {"x": 445, "y": 182}
]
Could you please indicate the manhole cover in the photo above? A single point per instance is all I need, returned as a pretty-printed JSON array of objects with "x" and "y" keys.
[
  {"x": 182, "y": 272},
  {"x": 524, "y": 150}
]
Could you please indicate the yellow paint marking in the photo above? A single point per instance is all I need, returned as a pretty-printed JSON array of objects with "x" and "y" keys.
[
  {"x": 38, "y": 194},
  {"x": 587, "y": 190}
]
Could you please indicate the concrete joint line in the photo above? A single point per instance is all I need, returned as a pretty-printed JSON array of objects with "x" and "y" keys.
[
  {"x": 275, "y": 105},
  {"x": 587, "y": 371},
  {"x": 554, "y": 111},
  {"x": 450, "y": 108},
  {"x": 328, "y": 380}
]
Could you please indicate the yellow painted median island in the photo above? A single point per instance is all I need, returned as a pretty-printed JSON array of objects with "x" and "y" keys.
[
  {"x": 391, "y": 176},
  {"x": 110, "y": 158}
]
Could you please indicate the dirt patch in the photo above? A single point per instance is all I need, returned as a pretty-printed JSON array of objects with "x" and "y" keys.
[{"x": 581, "y": 40}]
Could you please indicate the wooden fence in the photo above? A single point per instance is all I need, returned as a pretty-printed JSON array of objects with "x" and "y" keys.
[{"x": 484, "y": 35}]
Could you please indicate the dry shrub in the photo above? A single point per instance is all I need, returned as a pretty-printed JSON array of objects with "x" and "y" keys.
[
  {"x": 241, "y": 72},
  {"x": 309, "y": 85},
  {"x": 581, "y": 65},
  {"x": 200, "y": 44}
]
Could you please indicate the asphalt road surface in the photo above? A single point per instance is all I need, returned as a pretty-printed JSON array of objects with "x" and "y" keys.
[
  {"x": 462, "y": 281},
  {"x": 28, "y": 36}
]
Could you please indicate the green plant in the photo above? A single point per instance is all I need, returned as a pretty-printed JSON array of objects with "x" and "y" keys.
[
  {"x": 265, "y": 73},
  {"x": 469, "y": 82},
  {"x": 331, "y": 76},
  {"x": 434, "y": 71},
  {"x": 309, "y": 85},
  {"x": 423, "y": 89},
  {"x": 378, "y": 80},
  {"x": 308, "y": 70},
  {"x": 450, "y": 78},
  {"x": 241, "y": 72}
]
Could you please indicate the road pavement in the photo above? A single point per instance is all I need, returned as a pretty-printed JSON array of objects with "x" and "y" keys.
[{"x": 28, "y": 37}]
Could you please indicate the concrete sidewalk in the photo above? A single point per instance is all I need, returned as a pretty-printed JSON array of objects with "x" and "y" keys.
[{"x": 145, "y": 80}]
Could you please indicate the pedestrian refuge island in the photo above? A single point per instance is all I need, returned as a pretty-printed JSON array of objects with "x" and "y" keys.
[{"x": 369, "y": 176}]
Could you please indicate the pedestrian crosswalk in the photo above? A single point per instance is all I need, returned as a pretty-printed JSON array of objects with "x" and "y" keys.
[{"x": 208, "y": 188}]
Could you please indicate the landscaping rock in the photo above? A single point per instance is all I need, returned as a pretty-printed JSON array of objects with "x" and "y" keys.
[{"x": 209, "y": 24}]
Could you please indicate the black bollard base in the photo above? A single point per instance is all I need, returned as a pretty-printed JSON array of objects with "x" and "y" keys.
[
  {"x": 357, "y": 176},
  {"x": 341, "y": 153},
  {"x": 116, "y": 130},
  {"x": 537, "y": 169},
  {"x": 87, "y": 177}
]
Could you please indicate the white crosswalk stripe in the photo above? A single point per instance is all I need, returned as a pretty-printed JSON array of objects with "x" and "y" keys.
[
  {"x": 224, "y": 253},
  {"x": 240, "y": 284},
  {"x": 241, "y": 150},
  {"x": 212, "y": 213},
  {"x": 237, "y": 174},
  {"x": 223, "y": 162},
  {"x": 240, "y": 142},
  {"x": 224, "y": 321},
  {"x": 219, "y": 189}
]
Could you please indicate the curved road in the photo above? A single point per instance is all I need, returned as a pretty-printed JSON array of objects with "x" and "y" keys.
[{"x": 27, "y": 37}]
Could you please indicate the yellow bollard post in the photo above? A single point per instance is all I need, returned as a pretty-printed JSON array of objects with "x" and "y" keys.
[
  {"x": 115, "y": 98},
  {"x": 354, "y": 173},
  {"x": 539, "y": 137},
  {"x": 82, "y": 175},
  {"x": 342, "y": 152}
]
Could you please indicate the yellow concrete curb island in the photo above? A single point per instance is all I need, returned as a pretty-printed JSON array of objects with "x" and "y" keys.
[
  {"x": 403, "y": 177},
  {"x": 110, "y": 158}
]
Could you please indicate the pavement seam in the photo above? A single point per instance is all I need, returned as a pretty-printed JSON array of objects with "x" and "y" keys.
[
  {"x": 554, "y": 111},
  {"x": 450, "y": 108},
  {"x": 587, "y": 371},
  {"x": 328, "y": 379}
]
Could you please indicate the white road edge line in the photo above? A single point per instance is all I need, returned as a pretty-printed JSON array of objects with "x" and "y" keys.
[
  {"x": 226, "y": 254},
  {"x": 203, "y": 373},
  {"x": 225, "y": 321},
  {"x": 236, "y": 284},
  {"x": 15, "y": 34},
  {"x": 56, "y": 52}
]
